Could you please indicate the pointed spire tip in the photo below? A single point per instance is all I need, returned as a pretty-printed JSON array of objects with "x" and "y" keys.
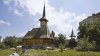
[{"x": 43, "y": 11}]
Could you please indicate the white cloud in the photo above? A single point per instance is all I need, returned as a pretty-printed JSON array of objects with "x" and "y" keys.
[
  {"x": 7, "y": 1},
  {"x": 17, "y": 12},
  {"x": 2, "y": 22},
  {"x": 22, "y": 34},
  {"x": 60, "y": 21}
]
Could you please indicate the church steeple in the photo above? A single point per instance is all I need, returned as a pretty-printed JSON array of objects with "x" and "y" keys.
[
  {"x": 43, "y": 20},
  {"x": 43, "y": 16},
  {"x": 72, "y": 34}
]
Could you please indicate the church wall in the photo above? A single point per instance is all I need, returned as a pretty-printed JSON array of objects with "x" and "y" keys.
[{"x": 37, "y": 41}]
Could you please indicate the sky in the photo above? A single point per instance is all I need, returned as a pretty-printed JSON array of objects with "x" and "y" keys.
[{"x": 17, "y": 17}]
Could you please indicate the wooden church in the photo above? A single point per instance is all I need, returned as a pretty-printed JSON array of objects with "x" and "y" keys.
[{"x": 39, "y": 37}]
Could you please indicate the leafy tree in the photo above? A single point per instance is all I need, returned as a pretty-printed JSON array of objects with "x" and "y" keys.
[
  {"x": 19, "y": 40},
  {"x": 10, "y": 41},
  {"x": 92, "y": 31},
  {"x": 72, "y": 43},
  {"x": 62, "y": 39},
  {"x": 62, "y": 42},
  {"x": 2, "y": 46},
  {"x": 61, "y": 46},
  {"x": 85, "y": 45},
  {"x": 82, "y": 30}
]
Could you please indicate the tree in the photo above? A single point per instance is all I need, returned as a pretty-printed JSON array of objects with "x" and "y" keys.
[
  {"x": 10, "y": 41},
  {"x": 85, "y": 45},
  {"x": 19, "y": 40},
  {"x": 62, "y": 42},
  {"x": 2, "y": 46},
  {"x": 72, "y": 43},
  {"x": 92, "y": 31},
  {"x": 61, "y": 46},
  {"x": 82, "y": 30},
  {"x": 62, "y": 39}
]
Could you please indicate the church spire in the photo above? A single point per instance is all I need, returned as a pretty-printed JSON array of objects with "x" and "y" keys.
[
  {"x": 72, "y": 34},
  {"x": 43, "y": 20},
  {"x": 43, "y": 16}
]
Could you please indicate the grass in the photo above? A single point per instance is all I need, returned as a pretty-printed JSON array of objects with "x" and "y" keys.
[
  {"x": 31, "y": 52},
  {"x": 6, "y": 52}
]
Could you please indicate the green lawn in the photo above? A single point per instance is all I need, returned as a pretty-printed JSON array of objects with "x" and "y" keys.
[
  {"x": 32, "y": 52},
  {"x": 6, "y": 52}
]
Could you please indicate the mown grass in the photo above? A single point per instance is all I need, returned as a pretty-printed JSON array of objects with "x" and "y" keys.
[
  {"x": 31, "y": 52},
  {"x": 58, "y": 53},
  {"x": 6, "y": 52}
]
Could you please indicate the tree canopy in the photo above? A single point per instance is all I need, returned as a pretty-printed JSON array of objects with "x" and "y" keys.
[
  {"x": 10, "y": 41},
  {"x": 62, "y": 39},
  {"x": 92, "y": 31},
  {"x": 85, "y": 45}
]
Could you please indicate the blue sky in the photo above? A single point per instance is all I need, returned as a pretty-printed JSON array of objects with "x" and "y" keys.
[{"x": 19, "y": 16}]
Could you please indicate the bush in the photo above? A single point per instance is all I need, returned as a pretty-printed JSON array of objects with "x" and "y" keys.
[
  {"x": 2, "y": 46},
  {"x": 85, "y": 45}
]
